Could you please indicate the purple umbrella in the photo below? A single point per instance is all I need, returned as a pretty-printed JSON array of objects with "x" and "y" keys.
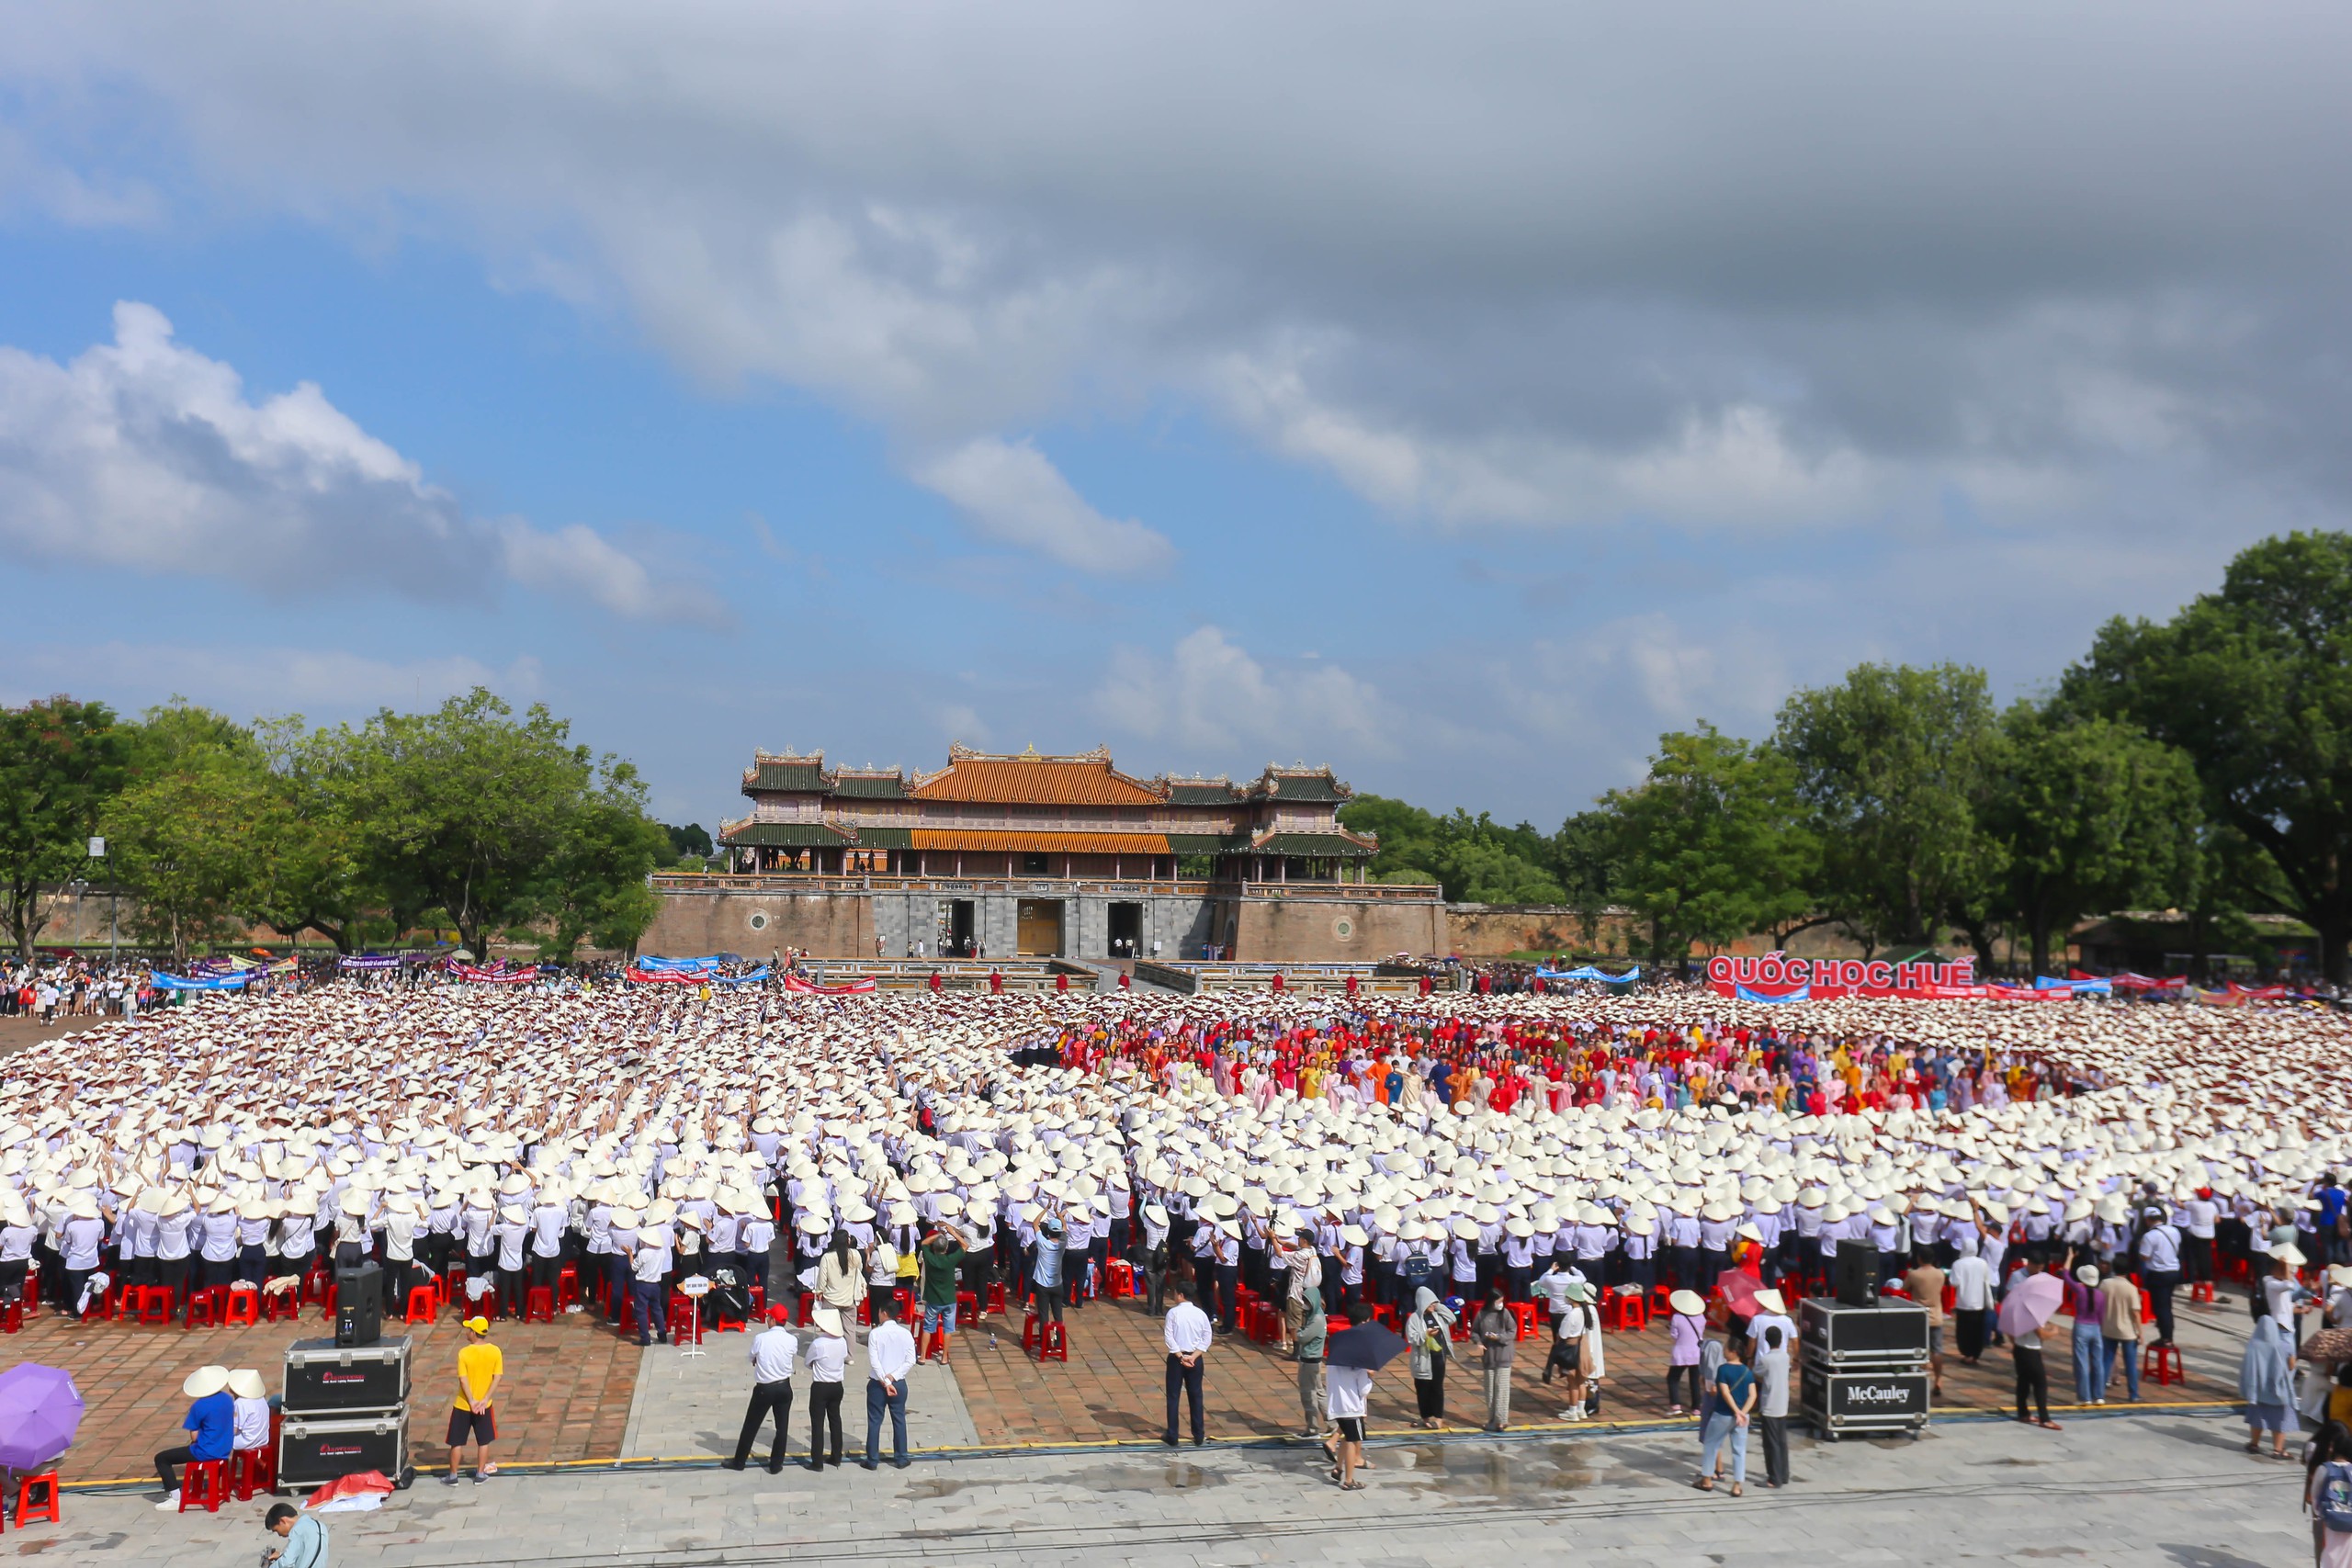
[
  {"x": 39, "y": 1412},
  {"x": 2032, "y": 1302}
]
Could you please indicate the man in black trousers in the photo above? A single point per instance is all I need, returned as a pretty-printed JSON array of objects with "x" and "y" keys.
[
  {"x": 772, "y": 1352},
  {"x": 1186, "y": 1334}
]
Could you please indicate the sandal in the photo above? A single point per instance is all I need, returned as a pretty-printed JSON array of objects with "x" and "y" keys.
[
  {"x": 1350, "y": 1485},
  {"x": 1737, "y": 1490},
  {"x": 1704, "y": 1484}
]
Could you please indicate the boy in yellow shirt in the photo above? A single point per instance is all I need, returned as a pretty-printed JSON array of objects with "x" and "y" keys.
[{"x": 479, "y": 1365}]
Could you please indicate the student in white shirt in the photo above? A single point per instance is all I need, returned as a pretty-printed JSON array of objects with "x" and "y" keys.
[
  {"x": 890, "y": 1357},
  {"x": 773, "y": 1351},
  {"x": 1347, "y": 1390},
  {"x": 828, "y": 1364},
  {"x": 1186, "y": 1336}
]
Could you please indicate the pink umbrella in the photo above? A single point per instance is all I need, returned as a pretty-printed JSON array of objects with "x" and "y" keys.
[{"x": 2032, "y": 1302}]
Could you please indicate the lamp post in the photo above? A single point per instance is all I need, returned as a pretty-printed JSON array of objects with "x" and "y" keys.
[{"x": 98, "y": 852}]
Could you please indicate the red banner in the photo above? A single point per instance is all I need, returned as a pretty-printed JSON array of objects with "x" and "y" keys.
[
  {"x": 1834, "y": 979},
  {"x": 662, "y": 976},
  {"x": 799, "y": 987},
  {"x": 493, "y": 977}
]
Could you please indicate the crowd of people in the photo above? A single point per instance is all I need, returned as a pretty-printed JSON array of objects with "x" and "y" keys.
[{"x": 1441, "y": 1157}]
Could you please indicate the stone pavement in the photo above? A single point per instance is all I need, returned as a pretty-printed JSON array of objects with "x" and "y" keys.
[
  {"x": 566, "y": 1396},
  {"x": 692, "y": 1406},
  {"x": 2144, "y": 1490}
]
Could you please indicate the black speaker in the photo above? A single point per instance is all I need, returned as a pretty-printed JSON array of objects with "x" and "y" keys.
[
  {"x": 1855, "y": 1279},
  {"x": 359, "y": 1306}
]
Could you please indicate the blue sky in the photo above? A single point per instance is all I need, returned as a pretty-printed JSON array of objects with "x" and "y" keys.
[{"x": 1461, "y": 407}]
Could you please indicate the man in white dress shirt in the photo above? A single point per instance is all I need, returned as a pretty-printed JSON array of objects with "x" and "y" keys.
[
  {"x": 889, "y": 1357},
  {"x": 1186, "y": 1334},
  {"x": 772, "y": 1353}
]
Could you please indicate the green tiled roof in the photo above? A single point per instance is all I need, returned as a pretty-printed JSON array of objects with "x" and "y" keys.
[
  {"x": 885, "y": 838},
  {"x": 1311, "y": 844},
  {"x": 808, "y": 777},
  {"x": 1185, "y": 793},
  {"x": 869, "y": 787},
  {"x": 1298, "y": 786},
  {"x": 783, "y": 835}
]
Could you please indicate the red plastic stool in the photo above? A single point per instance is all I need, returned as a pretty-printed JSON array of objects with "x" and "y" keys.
[
  {"x": 968, "y": 1306},
  {"x": 806, "y": 1314},
  {"x": 12, "y": 1317},
  {"x": 1056, "y": 1345},
  {"x": 208, "y": 1304},
  {"x": 1525, "y": 1313},
  {"x": 865, "y": 1313},
  {"x": 277, "y": 1304},
  {"x": 423, "y": 1304},
  {"x": 205, "y": 1483},
  {"x": 2160, "y": 1363},
  {"x": 1628, "y": 1312},
  {"x": 1337, "y": 1325},
  {"x": 1661, "y": 1300},
  {"x": 1028, "y": 1333},
  {"x": 1122, "y": 1278},
  {"x": 935, "y": 1344},
  {"x": 538, "y": 1303},
  {"x": 722, "y": 1318},
  {"x": 251, "y": 1471},
  {"x": 996, "y": 1297},
  {"x": 567, "y": 1286},
  {"x": 2147, "y": 1305},
  {"x": 29, "y": 1509},
  {"x": 1384, "y": 1314},
  {"x": 243, "y": 1309},
  {"x": 2201, "y": 1291}
]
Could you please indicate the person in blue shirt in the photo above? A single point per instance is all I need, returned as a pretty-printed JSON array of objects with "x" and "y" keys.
[
  {"x": 2331, "y": 1209},
  {"x": 213, "y": 1420}
]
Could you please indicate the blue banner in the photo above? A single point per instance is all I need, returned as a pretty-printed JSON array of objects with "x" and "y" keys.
[
  {"x": 759, "y": 974},
  {"x": 1802, "y": 994},
  {"x": 677, "y": 966},
  {"x": 1586, "y": 972},
  {"x": 2080, "y": 988},
  {"x": 163, "y": 982}
]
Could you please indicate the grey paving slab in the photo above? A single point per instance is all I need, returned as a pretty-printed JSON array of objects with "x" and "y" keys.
[
  {"x": 2171, "y": 1491},
  {"x": 692, "y": 1406}
]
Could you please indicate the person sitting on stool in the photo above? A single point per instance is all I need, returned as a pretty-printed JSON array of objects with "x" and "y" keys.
[{"x": 213, "y": 1419}]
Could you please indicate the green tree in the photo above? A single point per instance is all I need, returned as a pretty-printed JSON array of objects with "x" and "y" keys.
[
  {"x": 185, "y": 840},
  {"x": 596, "y": 885},
  {"x": 1896, "y": 764},
  {"x": 468, "y": 810},
  {"x": 2254, "y": 683},
  {"x": 61, "y": 761},
  {"x": 310, "y": 871},
  {"x": 2091, "y": 817},
  {"x": 1473, "y": 859},
  {"x": 1713, "y": 844},
  {"x": 693, "y": 839}
]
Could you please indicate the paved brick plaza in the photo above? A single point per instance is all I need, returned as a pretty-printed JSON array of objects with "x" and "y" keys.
[
  {"x": 1113, "y": 1388},
  {"x": 569, "y": 1385},
  {"x": 566, "y": 1395}
]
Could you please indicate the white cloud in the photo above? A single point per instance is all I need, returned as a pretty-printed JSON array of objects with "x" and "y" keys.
[
  {"x": 576, "y": 560},
  {"x": 1208, "y": 694},
  {"x": 259, "y": 681},
  {"x": 1691, "y": 265},
  {"x": 1014, "y": 495},
  {"x": 145, "y": 456}
]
